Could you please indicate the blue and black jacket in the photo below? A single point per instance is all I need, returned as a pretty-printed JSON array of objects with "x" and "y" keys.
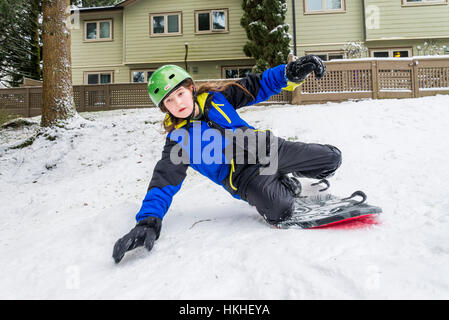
[{"x": 189, "y": 139}]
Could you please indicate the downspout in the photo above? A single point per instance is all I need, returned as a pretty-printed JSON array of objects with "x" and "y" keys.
[
  {"x": 186, "y": 45},
  {"x": 364, "y": 20},
  {"x": 294, "y": 27}
]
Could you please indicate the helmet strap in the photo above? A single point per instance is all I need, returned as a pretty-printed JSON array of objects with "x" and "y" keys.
[{"x": 193, "y": 109}]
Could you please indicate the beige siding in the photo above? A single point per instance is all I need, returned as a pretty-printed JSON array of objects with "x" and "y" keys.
[
  {"x": 399, "y": 22},
  {"x": 327, "y": 31},
  {"x": 98, "y": 53},
  {"x": 140, "y": 47},
  {"x": 98, "y": 56}
]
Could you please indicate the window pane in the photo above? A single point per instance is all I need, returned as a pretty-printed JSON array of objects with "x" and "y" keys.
[
  {"x": 149, "y": 75},
  {"x": 91, "y": 30},
  {"x": 231, "y": 73},
  {"x": 335, "y": 56},
  {"x": 138, "y": 76},
  {"x": 322, "y": 56},
  {"x": 105, "y": 78},
  {"x": 333, "y": 4},
  {"x": 314, "y": 5},
  {"x": 158, "y": 24},
  {"x": 173, "y": 23},
  {"x": 203, "y": 21},
  {"x": 105, "y": 30},
  {"x": 382, "y": 54},
  {"x": 218, "y": 20},
  {"x": 92, "y": 79},
  {"x": 400, "y": 54},
  {"x": 244, "y": 72}
]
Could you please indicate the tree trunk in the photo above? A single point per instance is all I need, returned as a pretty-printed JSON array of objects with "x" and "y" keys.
[
  {"x": 36, "y": 47},
  {"x": 57, "y": 95}
]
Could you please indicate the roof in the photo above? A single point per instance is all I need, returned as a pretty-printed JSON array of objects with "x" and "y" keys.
[
  {"x": 95, "y": 9},
  {"x": 125, "y": 3},
  {"x": 118, "y": 6}
]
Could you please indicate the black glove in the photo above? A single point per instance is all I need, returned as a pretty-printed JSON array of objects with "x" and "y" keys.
[
  {"x": 297, "y": 71},
  {"x": 143, "y": 234}
]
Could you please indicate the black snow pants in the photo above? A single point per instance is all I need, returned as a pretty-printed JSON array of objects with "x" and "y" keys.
[{"x": 272, "y": 199}]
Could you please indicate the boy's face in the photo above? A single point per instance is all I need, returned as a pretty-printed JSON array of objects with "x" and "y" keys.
[{"x": 180, "y": 102}]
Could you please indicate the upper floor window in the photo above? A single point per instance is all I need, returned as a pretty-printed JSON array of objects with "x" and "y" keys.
[
  {"x": 423, "y": 2},
  {"x": 100, "y": 30},
  {"x": 324, "y": 6},
  {"x": 165, "y": 24},
  {"x": 209, "y": 21}
]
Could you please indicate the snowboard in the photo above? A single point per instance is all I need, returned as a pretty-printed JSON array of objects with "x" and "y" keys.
[{"x": 327, "y": 210}]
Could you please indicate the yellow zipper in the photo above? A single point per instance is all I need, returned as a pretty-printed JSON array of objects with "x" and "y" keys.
[
  {"x": 221, "y": 111},
  {"x": 230, "y": 175}
]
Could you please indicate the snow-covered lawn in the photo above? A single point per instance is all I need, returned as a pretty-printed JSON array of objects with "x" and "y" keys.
[{"x": 65, "y": 201}]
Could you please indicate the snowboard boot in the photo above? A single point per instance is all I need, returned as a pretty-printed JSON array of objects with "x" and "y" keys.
[
  {"x": 321, "y": 181},
  {"x": 292, "y": 184}
]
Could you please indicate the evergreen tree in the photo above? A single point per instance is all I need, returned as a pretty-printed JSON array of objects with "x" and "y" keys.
[
  {"x": 267, "y": 32},
  {"x": 19, "y": 41}
]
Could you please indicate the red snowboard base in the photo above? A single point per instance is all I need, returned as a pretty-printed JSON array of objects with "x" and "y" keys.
[{"x": 359, "y": 222}]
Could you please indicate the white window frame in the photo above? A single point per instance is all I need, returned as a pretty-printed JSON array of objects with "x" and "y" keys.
[
  {"x": 327, "y": 53},
  {"x": 145, "y": 71},
  {"x": 390, "y": 51},
  {"x": 406, "y": 3},
  {"x": 211, "y": 30},
  {"x": 324, "y": 11},
  {"x": 165, "y": 15},
  {"x": 224, "y": 68},
  {"x": 87, "y": 73},
  {"x": 98, "y": 39}
]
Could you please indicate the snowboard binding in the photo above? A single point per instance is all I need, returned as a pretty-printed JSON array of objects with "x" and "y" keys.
[
  {"x": 294, "y": 185},
  {"x": 323, "y": 210}
]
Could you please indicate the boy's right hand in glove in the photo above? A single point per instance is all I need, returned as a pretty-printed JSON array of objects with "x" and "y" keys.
[
  {"x": 297, "y": 71},
  {"x": 143, "y": 234}
]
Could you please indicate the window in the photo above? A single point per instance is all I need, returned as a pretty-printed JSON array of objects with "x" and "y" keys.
[
  {"x": 391, "y": 53},
  {"x": 165, "y": 24},
  {"x": 236, "y": 72},
  {"x": 422, "y": 2},
  {"x": 100, "y": 30},
  {"x": 103, "y": 77},
  {"x": 324, "y": 6},
  {"x": 140, "y": 76},
  {"x": 209, "y": 21},
  {"x": 327, "y": 56}
]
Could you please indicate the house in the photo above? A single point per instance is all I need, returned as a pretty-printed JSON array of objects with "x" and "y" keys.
[
  {"x": 127, "y": 42},
  {"x": 386, "y": 28}
]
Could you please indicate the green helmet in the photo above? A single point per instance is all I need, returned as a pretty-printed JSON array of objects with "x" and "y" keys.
[{"x": 164, "y": 80}]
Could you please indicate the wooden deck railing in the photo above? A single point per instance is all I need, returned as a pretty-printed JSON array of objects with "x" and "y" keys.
[{"x": 345, "y": 79}]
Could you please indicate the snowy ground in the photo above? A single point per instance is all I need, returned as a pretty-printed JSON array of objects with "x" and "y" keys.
[{"x": 65, "y": 202}]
